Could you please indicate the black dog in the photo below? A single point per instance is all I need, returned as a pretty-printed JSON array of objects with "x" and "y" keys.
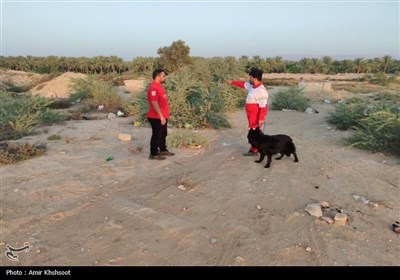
[{"x": 271, "y": 145}]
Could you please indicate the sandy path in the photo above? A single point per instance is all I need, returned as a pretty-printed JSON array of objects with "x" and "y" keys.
[{"x": 76, "y": 209}]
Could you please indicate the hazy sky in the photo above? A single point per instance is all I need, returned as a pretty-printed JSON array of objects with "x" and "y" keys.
[{"x": 127, "y": 29}]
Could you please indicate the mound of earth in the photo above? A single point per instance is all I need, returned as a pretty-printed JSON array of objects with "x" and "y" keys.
[
  {"x": 59, "y": 87},
  {"x": 20, "y": 78}
]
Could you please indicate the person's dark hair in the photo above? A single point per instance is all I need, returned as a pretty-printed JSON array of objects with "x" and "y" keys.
[
  {"x": 158, "y": 72},
  {"x": 256, "y": 73}
]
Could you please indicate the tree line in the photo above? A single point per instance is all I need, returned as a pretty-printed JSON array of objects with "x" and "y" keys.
[{"x": 178, "y": 54}]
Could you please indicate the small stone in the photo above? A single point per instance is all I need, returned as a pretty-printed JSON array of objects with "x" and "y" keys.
[
  {"x": 314, "y": 209},
  {"x": 182, "y": 187},
  {"x": 340, "y": 219},
  {"x": 328, "y": 220},
  {"x": 308, "y": 249},
  {"x": 373, "y": 204},
  {"x": 324, "y": 204},
  {"x": 38, "y": 251},
  {"x": 239, "y": 259},
  {"x": 213, "y": 240},
  {"x": 264, "y": 180},
  {"x": 258, "y": 207}
]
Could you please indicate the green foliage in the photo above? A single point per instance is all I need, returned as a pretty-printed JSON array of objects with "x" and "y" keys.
[
  {"x": 137, "y": 105},
  {"x": 346, "y": 116},
  {"x": 387, "y": 96},
  {"x": 101, "y": 92},
  {"x": 54, "y": 137},
  {"x": 378, "y": 131},
  {"x": 50, "y": 116},
  {"x": 174, "y": 56},
  {"x": 21, "y": 114},
  {"x": 43, "y": 69},
  {"x": 380, "y": 79},
  {"x": 196, "y": 96},
  {"x": 291, "y": 99},
  {"x": 377, "y": 125},
  {"x": 185, "y": 139},
  {"x": 13, "y": 152}
]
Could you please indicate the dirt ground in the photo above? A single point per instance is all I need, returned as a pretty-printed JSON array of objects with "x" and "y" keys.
[{"x": 75, "y": 208}]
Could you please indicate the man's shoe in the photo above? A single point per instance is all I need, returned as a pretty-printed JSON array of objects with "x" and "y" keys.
[
  {"x": 157, "y": 157},
  {"x": 250, "y": 154},
  {"x": 166, "y": 153}
]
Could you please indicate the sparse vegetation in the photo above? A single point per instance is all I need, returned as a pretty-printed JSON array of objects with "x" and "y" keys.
[
  {"x": 101, "y": 92},
  {"x": 185, "y": 139},
  {"x": 54, "y": 137},
  {"x": 22, "y": 113},
  {"x": 291, "y": 99},
  {"x": 376, "y": 125},
  {"x": 13, "y": 152}
]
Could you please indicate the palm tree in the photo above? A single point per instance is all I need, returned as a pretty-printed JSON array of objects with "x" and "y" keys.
[
  {"x": 386, "y": 61},
  {"x": 327, "y": 60}
]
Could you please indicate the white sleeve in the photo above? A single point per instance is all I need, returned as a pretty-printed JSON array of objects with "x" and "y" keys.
[{"x": 248, "y": 86}]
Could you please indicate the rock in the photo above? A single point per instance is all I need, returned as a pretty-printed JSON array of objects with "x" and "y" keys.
[
  {"x": 324, "y": 204},
  {"x": 124, "y": 137},
  {"x": 396, "y": 227},
  {"x": 258, "y": 207},
  {"x": 314, "y": 209},
  {"x": 182, "y": 187},
  {"x": 213, "y": 240},
  {"x": 327, "y": 219},
  {"x": 239, "y": 259},
  {"x": 340, "y": 219}
]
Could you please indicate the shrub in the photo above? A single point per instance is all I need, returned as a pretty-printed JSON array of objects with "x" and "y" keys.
[
  {"x": 21, "y": 114},
  {"x": 185, "y": 139},
  {"x": 377, "y": 125},
  {"x": 291, "y": 99},
  {"x": 346, "y": 116},
  {"x": 101, "y": 92},
  {"x": 54, "y": 137},
  {"x": 13, "y": 152},
  {"x": 379, "y": 131}
]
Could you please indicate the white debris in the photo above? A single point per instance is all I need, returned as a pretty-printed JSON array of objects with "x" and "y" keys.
[{"x": 182, "y": 187}]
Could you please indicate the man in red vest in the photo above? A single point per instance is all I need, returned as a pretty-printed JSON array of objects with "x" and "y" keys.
[{"x": 158, "y": 115}]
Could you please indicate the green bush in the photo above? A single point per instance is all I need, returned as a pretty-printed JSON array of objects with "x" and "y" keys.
[
  {"x": 376, "y": 125},
  {"x": 21, "y": 114},
  {"x": 101, "y": 92},
  {"x": 291, "y": 99},
  {"x": 346, "y": 116},
  {"x": 196, "y": 95},
  {"x": 379, "y": 131}
]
